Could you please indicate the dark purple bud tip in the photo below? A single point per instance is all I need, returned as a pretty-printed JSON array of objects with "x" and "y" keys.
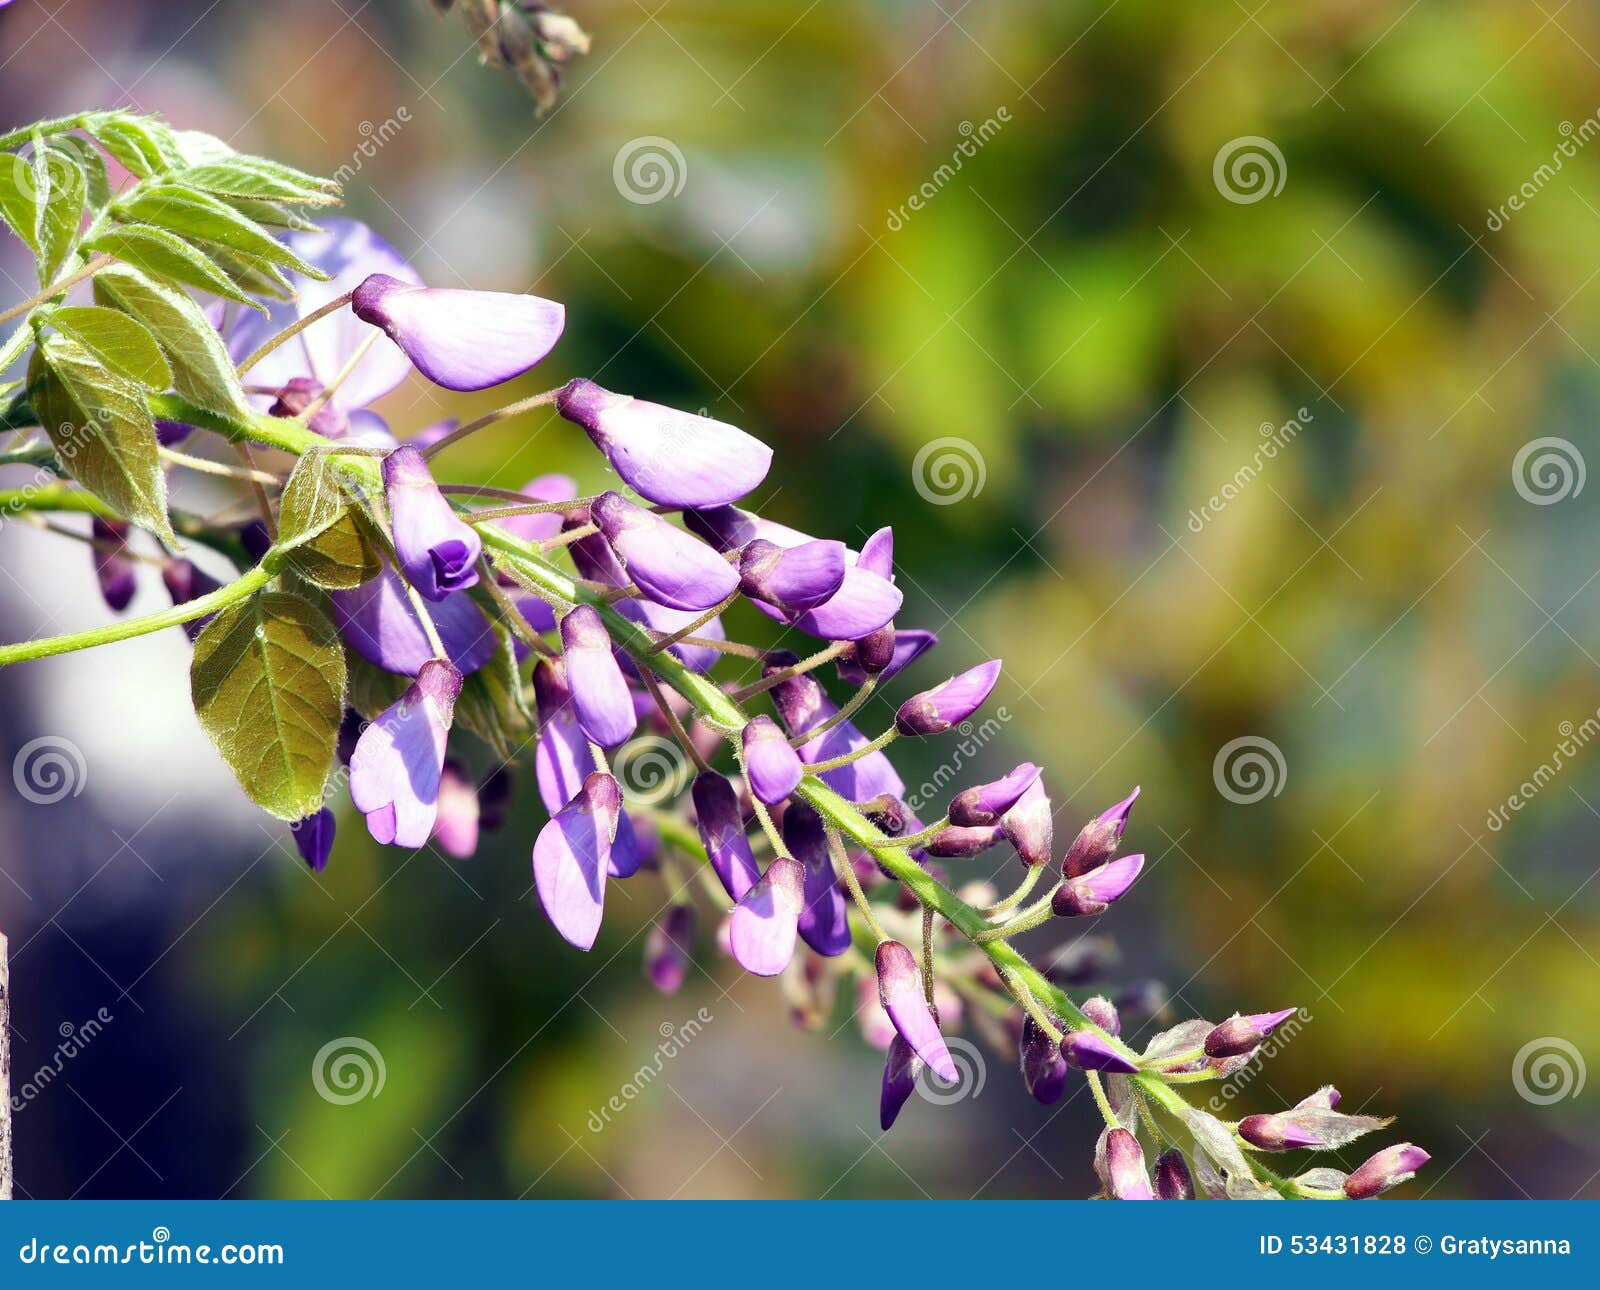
[
  {"x": 672, "y": 568},
  {"x": 764, "y": 924},
  {"x": 1099, "y": 839},
  {"x": 900, "y": 992},
  {"x": 1125, "y": 1176},
  {"x": 1277, "y": 1133},
  {"x": 462, "y": 340},
  {"x": 772, "y": 767},
  {"x": 888, "y": 813},
  {"x": 668, "y": 948},
  {"x": 1103, "y": 1013},
  {"x": 1030, "y": 825},
  {"x": 113, "y": 569},
  {"x": 1389, "y": 1168},
  {"x": 670, "y": 457},
  {"x": 793, "y": 579},
  {"x": 1173, "y": 1180},
  {"x": 1239, "y": 1034},
  {"x": 900, "y": 1070},
  {"x": 313, "y": 838},
  {"x": 721, "y": 825},
  {"x": 987, "y": 803},
  {"x": 1043, "y": 1070},
  {"x": 934, "y": 711},
  {"x": 865, "y": 660},
  {"x": 184, "y": 582},
  {"x": 1097, "y": 890},
  {"x": 1086, "y": 1051},
  {"x": 955, "y": 843},
  {"x": 599, "y": 690},
  {"x": 438, "y": 551}
]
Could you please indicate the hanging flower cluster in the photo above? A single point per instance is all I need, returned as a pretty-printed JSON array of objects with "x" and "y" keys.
[{"x": 394, "y": 616}]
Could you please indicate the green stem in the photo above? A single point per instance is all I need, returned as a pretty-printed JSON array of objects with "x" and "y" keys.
[{"x": 866, "y": 749}]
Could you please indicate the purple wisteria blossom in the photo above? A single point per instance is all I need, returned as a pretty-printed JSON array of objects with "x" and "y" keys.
[
  {"x": 599, "y": 690},
  {"x": 571, "y": 857},
  {"x": 394, "y": 772},
  {"x": 438, "y": 552}
]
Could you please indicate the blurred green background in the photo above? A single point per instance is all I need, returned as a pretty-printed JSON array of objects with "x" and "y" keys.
[{"x": 1112, "y": 323}]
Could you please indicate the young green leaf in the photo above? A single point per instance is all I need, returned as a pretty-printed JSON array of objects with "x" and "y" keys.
[
  {"x": 268, "y": 684},
  {"x": 101, "y": 430},
  {"x": 123, "y": 344},
  {"x": 166, "y": 256},
  {"x": 202, "y": 217},
  {"x": 141, "y": 143},
  {"x": 327, "y": 541},
  {"x": 19, "y": 198},
  {"x": 201, "y": 370},
  {"x": 252, "y": 177},
  {"x": 61, "y": 216},
  {"x": 91, "y": 163}
]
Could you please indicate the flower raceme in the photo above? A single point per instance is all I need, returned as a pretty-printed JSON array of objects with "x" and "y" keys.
[{"x": 819, "y": 865}]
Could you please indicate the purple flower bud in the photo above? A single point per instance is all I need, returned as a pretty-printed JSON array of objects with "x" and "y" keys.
[
  {"x": 673, "y": 458},
  {"x": 908, "y": 647},
  {"x": 669, "y": 949},
  {"x": 541, "y": 525},
  {"x": 112, "y": 568},
  {"x": 1125, "y": 1176},
  {"x": 791, "y": 579},
  {"x": 1030, "y": 825},
  {"x": 1173, "y": 1180},
  {"x": 1239, "y": 1034},
  {"x": 801, "y": 706},
  {"x": 562, "y": 757},
  {"x": 1043, "y": 1070},
  {"x": 1086, "y": 1051},
  {"x": 1324, "y": 1099},
  {"x": 825, "y": 919},
  {"x": 1097, "y": 890},
  {"x": 456, "y": 828},
  {"x": 934, "y": 711},
  {"x": 721, "y": 825},
  {"x": 571, "y": 856},
  {"x": 1103, "y": 1013},
  {"x": 313, "y": 838},
  {"x": 626, "y": 854},
  {"x": 169, "y": 434},
  {"x": 438, "y": 552},
  {"x": 1277, "y": 1133},
  {"x": 1389, "y": 1168},
  {"x": 462, "y": 340},
  {"x": 184, "y": 582},
  {"x": 394, "y": 771},
  {"x": 986, "y": 803},
  {"x": 329, "y": 420},
  {"x": 955, "y": 842},
  {"x": 599, "y": 690},
  {"x": 863, "y": 603},
  {"x": 772, "y": 767},
  {"x": 892, "y": 816},
  {"x": 671, "y": 567},
  {"x": 763, "y": 925},
  {"x": 381, "y": 624},
  {"x": 901, "y": 1067},
  {"x": 900, "y": 992},
  {"x": 1099, "y": 839}
]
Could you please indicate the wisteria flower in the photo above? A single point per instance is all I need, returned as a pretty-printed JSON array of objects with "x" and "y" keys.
[{"x": 394, "y": 772}]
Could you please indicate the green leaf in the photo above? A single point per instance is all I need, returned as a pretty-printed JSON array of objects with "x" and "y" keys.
[
  {"x": 168, "y": 257},
  {"x": 252, "y": 177},
  {"x": 19, "y": 198},
  {"x": 200, "y": 216},
  {"x": 268, "y": 686},
  {"x": 141, "y": 143},
  {"x": 202, "y": 371},
  {"x": 325, "y": 538},
  {"x": 101, "y": 430},
  {"x": 91, "y": 163},
  {"x": 61, "y": 216},
  {"x": 123, "y": 344},
  {"x": 490, "y": 704},
  {"x": 252, "y": 276}
]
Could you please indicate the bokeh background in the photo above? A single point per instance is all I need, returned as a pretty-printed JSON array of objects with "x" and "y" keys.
[{"x": 1098, "y": 320}]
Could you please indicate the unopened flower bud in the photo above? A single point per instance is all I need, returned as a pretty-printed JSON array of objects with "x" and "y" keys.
[
  {"x": 888, "y": 812},
  {"x": 1239, "y": 1034},
  {"x": 1097, "y": 890},
  {"x": 1103, "y": 1013},
  {"x": 987, "y": 803},
  {"x": 765, "y": 923},
  {"x": 900, "y": 1070},
  {"x": 1389, "y": 1168},
  {"x": 772, "y": 767},
  {"x": 1173, "y": 1180},
  {"x": 791, "y": 579},
  {"x": 1086, "y": 1051},
  {"x": 1099, "y": 839},
  {"x": 900, "y": 992},
  {"x": 1125, "y": 1177},
  {"x": 1277, "y": 1133},
  {"x": 1043, "y": 1069},
  {"x": 934, "y": 711},
  {"x": 1029, "y": 825},
  {"x": 953, "y": 842}
]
